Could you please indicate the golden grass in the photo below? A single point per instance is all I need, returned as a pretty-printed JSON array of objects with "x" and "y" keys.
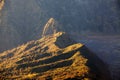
[
  {"x": 60, "y": 64},
  {"x": 29, "y": 76},
  {"x": 72, "y": 47}
]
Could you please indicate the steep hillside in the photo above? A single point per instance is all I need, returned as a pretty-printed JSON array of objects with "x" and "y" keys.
[{"x": 53, "y": 57}]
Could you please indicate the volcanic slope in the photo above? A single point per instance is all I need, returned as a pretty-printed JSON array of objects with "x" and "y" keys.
[{"x": 53, "y": 57}]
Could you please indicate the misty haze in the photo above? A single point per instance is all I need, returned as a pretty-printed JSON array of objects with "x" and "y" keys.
[{"x": 59, "y": 39}]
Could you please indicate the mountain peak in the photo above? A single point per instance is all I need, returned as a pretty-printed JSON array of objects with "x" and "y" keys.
[{"x": 50, "y": 27}]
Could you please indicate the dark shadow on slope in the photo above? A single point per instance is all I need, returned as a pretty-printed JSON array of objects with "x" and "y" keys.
[
  {"x": 48, "y": 60},
  {"x": 64, "y": 41},
  {"x": 97, "y": 66},
  {"x": 7, "y": 56},
  {"x": 52, "y": 66},
  {"x": 76, "y": 78},
  {"x": 38, "y": 56}
]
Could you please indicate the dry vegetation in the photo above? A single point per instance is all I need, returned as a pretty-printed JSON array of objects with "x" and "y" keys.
[{"x": 45, "y": 60}]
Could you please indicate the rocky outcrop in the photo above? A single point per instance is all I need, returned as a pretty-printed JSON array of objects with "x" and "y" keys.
[
  {"x": 50, "y": 27},
  {"x": 1, "y": 4},
  {"x": 53, "y": 57}
]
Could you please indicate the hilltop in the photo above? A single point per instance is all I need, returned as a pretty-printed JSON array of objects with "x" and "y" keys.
[{"x": 53, "y": 57}]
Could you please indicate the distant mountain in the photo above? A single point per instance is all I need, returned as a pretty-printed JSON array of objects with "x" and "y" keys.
[
  {"x": 22, "y": 20},
  {"x": 53, "y": 57}
]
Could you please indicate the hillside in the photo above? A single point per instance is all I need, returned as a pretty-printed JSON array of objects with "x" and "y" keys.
[{"x": 53, "y": 57}]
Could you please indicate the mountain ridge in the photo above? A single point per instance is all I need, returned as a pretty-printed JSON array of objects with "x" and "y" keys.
[{"x": 54, "y": 57}]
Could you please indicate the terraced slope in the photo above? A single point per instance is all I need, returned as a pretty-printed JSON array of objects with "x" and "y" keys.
[{"x": 53, "y": 57}]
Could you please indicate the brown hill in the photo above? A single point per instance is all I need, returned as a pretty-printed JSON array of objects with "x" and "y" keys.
[{"x": 53, "y": 57}]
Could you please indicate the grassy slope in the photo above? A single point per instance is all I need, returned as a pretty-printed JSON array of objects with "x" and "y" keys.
[{"x": 44, "y": 59}]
